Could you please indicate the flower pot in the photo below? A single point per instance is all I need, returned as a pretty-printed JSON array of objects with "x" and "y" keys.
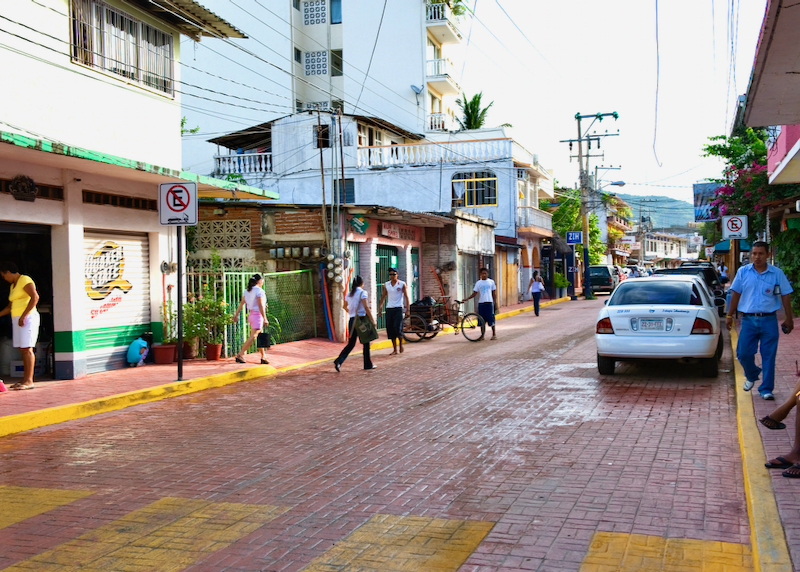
[
  {"x": 190, "y": 349},
  {"x": 164, "y": 353},
  {"x": 213, "y": 351}
]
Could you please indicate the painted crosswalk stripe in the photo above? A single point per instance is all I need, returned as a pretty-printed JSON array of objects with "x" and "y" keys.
[
  {"x": 389, "y": 543},
  {"x": 619, "y": 552},
  {"x": 167, "y": 535},
  {"x": 20, "y": 503}
]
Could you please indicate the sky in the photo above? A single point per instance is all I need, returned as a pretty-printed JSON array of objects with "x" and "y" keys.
[{"x": 541, "y": 62}]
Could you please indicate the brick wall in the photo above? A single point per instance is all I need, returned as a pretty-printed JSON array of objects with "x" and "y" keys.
[
  {"x": 306, "y": 220},
  {"x": 428, "y": 283}
]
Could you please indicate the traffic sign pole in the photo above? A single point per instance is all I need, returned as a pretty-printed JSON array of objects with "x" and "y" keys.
[{"x": 179, "y": 243}]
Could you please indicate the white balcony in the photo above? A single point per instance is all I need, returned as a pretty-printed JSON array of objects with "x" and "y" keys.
[
  {"x": 378, "y": 157},
  {"x": 243, "y": 163},
  {"x": 531, "y": 220},
  {"x": 438, "y": 77},
  {"x": 441, "y": 24},
  {"x": 441, "y": 122}
]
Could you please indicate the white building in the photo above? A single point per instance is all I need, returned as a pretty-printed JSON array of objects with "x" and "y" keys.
[{"x": 91, "y": 117}]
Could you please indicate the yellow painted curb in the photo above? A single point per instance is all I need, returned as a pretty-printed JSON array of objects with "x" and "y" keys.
[
  {"x": 530, "y": 308},
  {"x": 32, "y": 419},
  {"x": 767, "y": 539}
]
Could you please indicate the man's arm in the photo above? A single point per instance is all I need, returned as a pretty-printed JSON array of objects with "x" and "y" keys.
[
  {"x": 732, "y": 309},
  {"x": 494, "y": 297},
  {"x": 383, "y": 297},
  {"x": 787, "y": 308},
  {"x": 408, "y": 301}
]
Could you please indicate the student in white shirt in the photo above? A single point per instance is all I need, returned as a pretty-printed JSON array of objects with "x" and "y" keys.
[
  {"x": 394, "y": 292},
  {"x": 256, "y": 301},
  {"x": 355, "y": 303},
  {"x": 486, "y": 289},
  {"x": 536, "y": 287}
]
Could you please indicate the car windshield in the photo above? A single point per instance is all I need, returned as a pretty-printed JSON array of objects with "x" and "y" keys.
[
  {"x": 634, "y": 293},
  {"x": 598, "y": 271}
]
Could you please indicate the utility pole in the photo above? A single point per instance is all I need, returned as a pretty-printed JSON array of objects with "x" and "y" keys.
[
  {"x": 641, "y": 233},
  {"x": 584, "y": 182}
]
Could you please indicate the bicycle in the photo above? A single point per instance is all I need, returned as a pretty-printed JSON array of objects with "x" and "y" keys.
[{"x": 425, "y": 322}]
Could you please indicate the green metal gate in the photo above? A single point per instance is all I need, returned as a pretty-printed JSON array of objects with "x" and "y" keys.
[
  {"x": 291, "y": 307},
  {"x": 387, "y": 258},
  {"x": 353, "y": 269}
]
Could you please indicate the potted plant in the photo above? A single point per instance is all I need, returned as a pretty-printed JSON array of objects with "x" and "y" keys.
[
  {"x": 212, "y": 314},
  {"x": 561, "y": 283},
  {"x": 192, "y": 329},
  {"x": 166, "y": 351}
]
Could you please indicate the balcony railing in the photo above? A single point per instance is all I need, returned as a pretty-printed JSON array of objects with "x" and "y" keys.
[
  {"x": 440, "y": 122},
  {"x": 533, "y": 217},
  {"x": 618, "y": 222},
  {"x": 434, "y": 153},
  {"x": 243, "y": 163},
  {"x": 439, "y": 77},
  {"x": 441, "y": 22}
]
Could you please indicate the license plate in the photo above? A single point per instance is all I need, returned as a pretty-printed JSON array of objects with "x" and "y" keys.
[{"x": 651, "y": 325}]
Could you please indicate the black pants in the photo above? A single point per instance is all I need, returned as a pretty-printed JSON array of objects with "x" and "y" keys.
[
  {"x": 351, "y": 343},
  {"x": 536, "y": 297},
  {"x": 394, "y": 322}
]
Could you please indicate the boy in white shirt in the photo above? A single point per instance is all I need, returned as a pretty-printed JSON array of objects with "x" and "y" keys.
[{"x": 486, "y": 289}]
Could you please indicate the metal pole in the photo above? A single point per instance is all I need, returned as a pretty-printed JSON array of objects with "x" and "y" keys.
[
  {"x": 179, "y": 243},
  {"x": 587, "y": 286},
  {"x": 322, "y": 177}
]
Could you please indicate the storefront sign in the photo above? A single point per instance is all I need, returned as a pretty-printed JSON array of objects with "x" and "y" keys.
[
  {"x": 359, "y": 224},
  {"x": 103, "y": 271},
  {"x": 627, "y": 239},
  {"x": 401, "y": 231}
]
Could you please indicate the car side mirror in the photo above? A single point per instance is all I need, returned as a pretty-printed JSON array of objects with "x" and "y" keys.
[{"x": 719, "y": 302}]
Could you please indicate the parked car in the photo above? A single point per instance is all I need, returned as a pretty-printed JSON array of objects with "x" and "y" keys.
[
  {"x": 620, "y": 274},
  {"x": 706, "y": 272},
  {"x": 668, "y": 317},
  {"x": 603, "y": 278}
]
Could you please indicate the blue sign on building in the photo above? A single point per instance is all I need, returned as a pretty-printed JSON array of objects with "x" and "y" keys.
[{"x": 574, "y": 237}]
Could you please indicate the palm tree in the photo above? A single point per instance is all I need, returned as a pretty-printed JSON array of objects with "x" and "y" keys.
[{"x": 474, "y": 115}]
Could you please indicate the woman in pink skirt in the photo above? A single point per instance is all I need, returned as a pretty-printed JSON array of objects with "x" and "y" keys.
[{"x": 256, "y": 301}]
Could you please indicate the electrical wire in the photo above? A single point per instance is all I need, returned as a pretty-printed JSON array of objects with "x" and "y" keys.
[
  {"x": 372, "y": 55},
  {"x": 658, "y": 74}
]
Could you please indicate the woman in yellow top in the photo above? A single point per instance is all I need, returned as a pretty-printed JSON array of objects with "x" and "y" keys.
[{"x": 22, "y": 302}]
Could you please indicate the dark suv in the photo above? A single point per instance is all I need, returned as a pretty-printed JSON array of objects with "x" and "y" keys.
[
  {"x": 706, "y": 272},
  {"x": 603, "y": 278}
]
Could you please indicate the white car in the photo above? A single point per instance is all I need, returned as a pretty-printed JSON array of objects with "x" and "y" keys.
[{"x": 659, "y": 317}]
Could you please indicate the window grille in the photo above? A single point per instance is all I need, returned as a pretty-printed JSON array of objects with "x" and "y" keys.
[
  {"x": 126, "y": 202},
  {"x": 477, "y": 189},
  {"x": 315, "y": 12},
  {"x": 349, "y": 196},
  {"x": 42, "y": 191},
  {"x": 222, "y": 234},
  {"x": 106, "y": 38},
  {"x": 316, "y": 63}
]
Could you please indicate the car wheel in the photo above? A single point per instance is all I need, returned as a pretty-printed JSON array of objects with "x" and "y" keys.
[
  {"x": 709, "y": 367},
  {"x": 718, "y": 355},
  {"x": 606, "y": 365}
]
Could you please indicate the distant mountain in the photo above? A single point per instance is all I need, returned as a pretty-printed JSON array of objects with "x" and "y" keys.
[{"x": 664, "y": 211}]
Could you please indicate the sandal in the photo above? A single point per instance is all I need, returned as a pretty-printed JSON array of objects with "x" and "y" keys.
[
  {"x": 240, "y": 359},
  {"x": 792, "y": 472},
  {"x": 779, "y": 463},
  {"x": 770, "y": 423},
  {"x": 21, "y": 386},
  {"x": 264, "y": 362}
]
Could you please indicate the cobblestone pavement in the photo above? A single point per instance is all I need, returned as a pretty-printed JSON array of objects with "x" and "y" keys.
[{"x": 492, "y": 456}]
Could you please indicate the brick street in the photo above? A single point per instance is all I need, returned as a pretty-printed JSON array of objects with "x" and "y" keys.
[{"x": 501, "y": 455}]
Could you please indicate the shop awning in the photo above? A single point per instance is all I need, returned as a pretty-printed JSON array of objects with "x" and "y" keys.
[
  {"x": 48, "y": 153},
  {"x": 403, "y": 217},
  {"x": 725, "y": 246}
]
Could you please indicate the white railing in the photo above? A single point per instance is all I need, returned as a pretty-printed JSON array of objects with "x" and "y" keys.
[
  {"x": 432, "y": 153},
  {"x": 440, "y": 13},
  {"x": 244, "y": 163},
  {"x": 531, "y": 216},
  {"x": 440, "y": 122},
  {"x": 439, "y": 67}
]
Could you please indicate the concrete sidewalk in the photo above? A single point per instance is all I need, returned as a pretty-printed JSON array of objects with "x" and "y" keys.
[{"x": 64, "y": 400}]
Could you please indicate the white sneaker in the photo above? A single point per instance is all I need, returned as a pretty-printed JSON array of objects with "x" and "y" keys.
[
  {"x": 768, "y": 396},
  {"x": 748, "y": 385}
]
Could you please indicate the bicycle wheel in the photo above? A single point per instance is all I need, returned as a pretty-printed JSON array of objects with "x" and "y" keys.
[
  {"x": 473, "y": 327},
  {"x": 414, "y": 328}
]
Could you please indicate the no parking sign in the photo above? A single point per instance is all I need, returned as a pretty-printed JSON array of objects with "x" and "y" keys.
[
  {"x": 177, "y": 204},
  {"x": 734, "y": 226}
]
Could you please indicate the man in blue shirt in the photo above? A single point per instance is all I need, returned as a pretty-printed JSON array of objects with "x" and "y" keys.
[
  {"x": 137, "y": 352},
  {"x": 758, "y": 290}
]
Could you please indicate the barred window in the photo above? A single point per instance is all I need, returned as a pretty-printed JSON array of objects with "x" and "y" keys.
[
  {"x": 477, "y": 189},
  {"x": 106, "y": 38}
]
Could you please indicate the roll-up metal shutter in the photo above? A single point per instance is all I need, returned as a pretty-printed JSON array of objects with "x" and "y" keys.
[{"x": 117, "y": 286}]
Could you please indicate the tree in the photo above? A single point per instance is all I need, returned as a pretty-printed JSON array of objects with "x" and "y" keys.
[
  {"x": 567, "y": 217},
  {"x": 474, "y": 114},
  {"x": 184, "y": 130},
  {"x": 458, "y": 7}
]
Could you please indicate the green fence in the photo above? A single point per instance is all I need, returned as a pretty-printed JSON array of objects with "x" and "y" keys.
[{"x": 291, "y": 307}]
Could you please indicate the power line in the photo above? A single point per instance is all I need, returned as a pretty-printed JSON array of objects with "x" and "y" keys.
[{"x": 374, "y": 45}]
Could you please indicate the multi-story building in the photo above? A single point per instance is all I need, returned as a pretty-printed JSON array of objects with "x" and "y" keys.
[
  {"x": 89, "y": 129},
  {"x": 380, "y": 118}
]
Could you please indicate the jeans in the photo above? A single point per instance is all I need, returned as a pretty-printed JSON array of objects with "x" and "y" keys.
[
  {"x": 536, "y": 297},
  {"x": 351, "y": 343},
  {"x": 755, "y": 329}
]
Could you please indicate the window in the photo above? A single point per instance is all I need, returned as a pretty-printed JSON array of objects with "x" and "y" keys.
[
  {"x": 336, "y": 11},
  {"x": 336, "y": 63},
  {"x": 477, "y": 189},
  {"x": 296, "y": 4},
  {"x": 349, "y": 197},
  {"x": 298, "y": 56},
  {"x": 322, "y": 136},
  {"x": 108, "y": 39}
]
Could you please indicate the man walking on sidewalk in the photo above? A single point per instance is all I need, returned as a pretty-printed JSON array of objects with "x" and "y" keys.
[
  {"x": 394, "y": 292},
  {"x": 486, "y": 290},
  {"x": 758, "y": 290}
]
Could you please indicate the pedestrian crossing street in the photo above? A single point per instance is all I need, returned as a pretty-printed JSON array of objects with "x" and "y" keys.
[{"x": 172, "y": 534}]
